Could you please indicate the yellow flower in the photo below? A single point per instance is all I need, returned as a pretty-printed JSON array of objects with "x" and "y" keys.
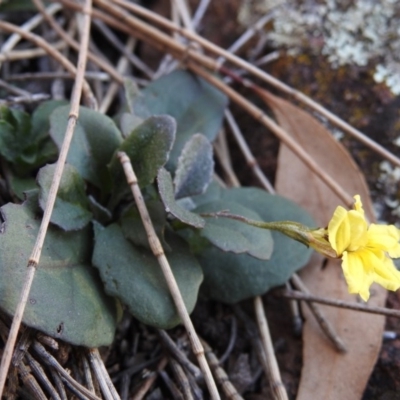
[{"x": 366, "y": 250}]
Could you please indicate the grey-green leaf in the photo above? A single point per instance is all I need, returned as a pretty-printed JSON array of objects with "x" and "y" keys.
[
  {"x": 71, "y": 209},
  {"x": 196, "y": 105},
  {"x": 235, "y": 236},
  {"x": 132, "y": 224},
  {"x": 133, "y": 275},
  {"x": 195, "y": 167},
  {"x": 166, "y": 190},
  {"x": 95, "y": 140},
  {"x": 148, "y": 148},
  {"x": 66, "y": 300},
  {"x": 231, "y": 278}
]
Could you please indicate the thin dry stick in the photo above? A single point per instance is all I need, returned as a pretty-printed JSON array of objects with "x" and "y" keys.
[
  {"x": 307, "y": 297},
  {"x": 59, "y": 384},
  {"x": 100, "y": 76},
  {"x": 41, "y": 376},
  {"x": 29, "y": 25},
  {"x": 102, "y": 371},
  {"x": 220, "y": 374},
  {"x": 16, "y": 55},
  {"x": 87, "y": 373},
  {"x": 158, "y": 252},
  {"x": 75, "y": 45},
  {"x": 51, "y": 51},
  {"x": 181, "y": 377},
  {"x": 94, "y": 361},
  {"x": 296, "y": 316},
  {"x": 184, "y": 14},
  {"x": 173, "y": 388},
  {"x": 36, "y": 252},
  {"x": 319, "y": 315},
  {"x": 179, "y": 355},
  {"x": 30, "y": 382},
  {"x": 118, "y": 44},
  {"x": 248, "y": 155},
  {"x": 199, "y": 13},
  {"x": 150, "y": 380},
  {"x": 262, "y": 75},
  {"x": 113, "y": 88},
  {"x": 273, "y": 373},
  {"x": 50, "y": 361}
]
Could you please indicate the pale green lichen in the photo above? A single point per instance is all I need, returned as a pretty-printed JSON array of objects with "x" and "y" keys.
[{"x": 347, "y": 32}]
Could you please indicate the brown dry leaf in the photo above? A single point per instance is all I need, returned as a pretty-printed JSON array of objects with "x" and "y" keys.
[{"x": 327, "y": 374}]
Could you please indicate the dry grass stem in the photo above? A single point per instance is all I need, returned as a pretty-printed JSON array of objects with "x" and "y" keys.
[
  {"x": 36, "y": 252},
  {"x": 183, "y": 380},
  {"x": 272, "y": 372},
  {"x": 29, "y": 25},
  {"x": 113, "y": 88},
  {"x": 325, "y": 324},
  {"x": 87, "y": 373},
  {"x": 51, "y": 362},
  {"x": 248, "y": 155},
  {"x": 296, "y": 316},
  {"x": 100, "y": 76},
  {"x": 106, "y": 386},
  {"x": 104, "y": 65},
  {"x": 15, "y": 55},
  {"x": 41, "y": 376},
  {"x": 309, "y": 298},
  {"x": 179, "y": 355},
  {"x": 158, "y": 252},
  {"x": 52, "y": 52},
  {"x": 141, "y": 393},
  {"x": 30, "y": 382},
  {"x": 220, "y": 374}
]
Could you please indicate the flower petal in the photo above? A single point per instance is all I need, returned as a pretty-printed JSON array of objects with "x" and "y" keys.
[
  {"x": 339, "y": 230},
  {"x": 358, "y": 277},
  {"x": 358, "y": 205},
  {"x": 384, "y": 237},
  {"x": 358, "y": 230},
  {"x": 386, "y": 274}
]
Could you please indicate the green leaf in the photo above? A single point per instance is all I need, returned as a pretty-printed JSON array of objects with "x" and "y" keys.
[
  {"x": 21, "y": 185},
  {"x": 25, "y": 142},
  {"x": 133, "y": 275},
  {"x": 66, "y": 300},
  {"x": 41, "y": 117},
  {"x": 235, "y": 236},
  {"x": 148, "y": 148},
  {"x": 100, "y": 213},
  {"x": 132, "y": 92},
  {"x": 166, "y": 190},
  {"x": 71, "y": 209},
  {"x": 195, "y": 167},
  {"x": 132, "y": 225},
  {"x": 15, "y": 130},
  {"x": 129, "y": 123},
  {"x": 196, "y": 105},
  {"x": 231, "y": 278},
  {"x": 94, "y": 142}
]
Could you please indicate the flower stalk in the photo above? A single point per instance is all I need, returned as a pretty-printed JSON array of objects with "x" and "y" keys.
[{"x": 366, "y": 250}]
